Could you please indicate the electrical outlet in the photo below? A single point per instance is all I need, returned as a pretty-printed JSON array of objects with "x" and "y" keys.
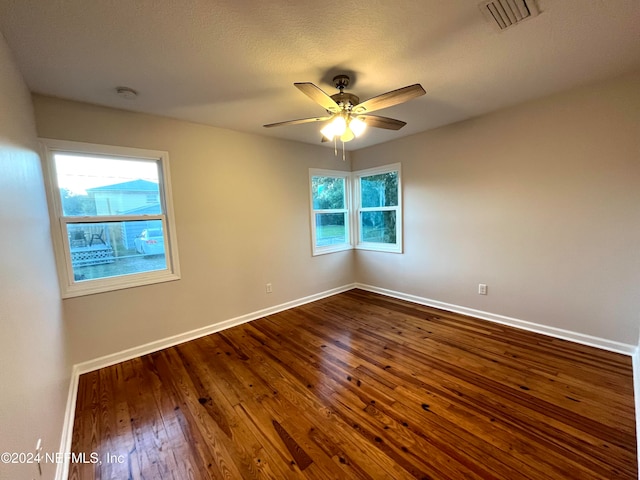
[
  {"x": 268, "y": 288},
  {"x": 482, "y": 289}
]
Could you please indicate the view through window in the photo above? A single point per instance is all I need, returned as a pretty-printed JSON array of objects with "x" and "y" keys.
[
  {"x": 379, "y": 208},
  {"x": 112, "y": 217},
  {"x": 376, "y": 214},
  {"x": 330, "y": 224}
]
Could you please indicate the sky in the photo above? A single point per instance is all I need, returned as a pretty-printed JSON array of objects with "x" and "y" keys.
[{"x": 77, "y": 173}]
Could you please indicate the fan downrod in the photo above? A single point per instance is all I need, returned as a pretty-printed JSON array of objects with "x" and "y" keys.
[
  {"x": 345, "y": 100},
  {"x": 341, "y": 82}
]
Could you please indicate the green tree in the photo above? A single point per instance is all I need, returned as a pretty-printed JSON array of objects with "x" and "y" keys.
[
  {"x": 328, "y": 192},
  {"x": 380, "y": 190},
  {"x": 76, "y": 205}
]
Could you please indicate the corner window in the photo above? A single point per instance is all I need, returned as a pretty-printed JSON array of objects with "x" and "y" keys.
[
  {"x": 379, "y": 209},
  {"x": 329, "y": 211},
  {"x": 372, "y": 222},
  {"x": 112, "y": 217}
]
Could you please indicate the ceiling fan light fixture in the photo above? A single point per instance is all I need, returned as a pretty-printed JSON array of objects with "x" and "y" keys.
[
  {"x": 347, "y": 117},
  {"x": 357, "y": 126},
  {"x": 348, "y": 135},
  {"x": 328, "y": 132},
  {"x": 335, "y": 128}
]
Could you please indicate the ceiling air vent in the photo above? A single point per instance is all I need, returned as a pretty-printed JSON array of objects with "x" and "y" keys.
[{"x": 507, "y": 13}]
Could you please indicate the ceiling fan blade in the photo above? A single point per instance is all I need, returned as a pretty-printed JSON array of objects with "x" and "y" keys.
[
  {"x": 382, "y": 122},
  {"x": 390, "y": 99},
  {"x": 324, "y": 139},
  {"x": 317, "y": 95},
  {"x": 297, "y": 122}
]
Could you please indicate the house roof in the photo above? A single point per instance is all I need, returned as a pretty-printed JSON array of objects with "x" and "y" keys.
[
  {"x": 232, "y": 64},
  {"x": 131, "y": 186}
]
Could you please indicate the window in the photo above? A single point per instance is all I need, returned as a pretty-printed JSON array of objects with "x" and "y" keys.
[
  {"x": 329, "y": 211},
  {"x": 379, "y": 209},
  {"x": 112, "y": 217},
  {"x": 376, "y": 215}
]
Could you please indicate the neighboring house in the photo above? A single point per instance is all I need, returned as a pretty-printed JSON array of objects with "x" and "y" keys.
[
  {"x": 125, "y": 197},
  {"x": 135, "y": 197}
]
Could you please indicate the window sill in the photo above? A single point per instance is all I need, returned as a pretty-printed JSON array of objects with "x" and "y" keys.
[
  {"x": 332, "y": 249},
  {"x": 376, "y": 247},
  {"x": 91, "y": 287}
]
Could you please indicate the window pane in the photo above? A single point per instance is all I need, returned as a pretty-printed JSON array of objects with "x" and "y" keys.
[
  {"x": 330, "y": 229},
  {"x": 94, "y": 185},
  {"x": 379, "y": 190},
  {"x": 378, "y": 227},
  {"x": 328, "y": 193},
  {"x": 111, "y": 249}
]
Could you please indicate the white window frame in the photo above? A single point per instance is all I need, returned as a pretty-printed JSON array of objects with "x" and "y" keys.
[
  {"x": 68, "y": 285},
  {"x": 358, "y": 209},
  {"x": 348, "y": 245}
]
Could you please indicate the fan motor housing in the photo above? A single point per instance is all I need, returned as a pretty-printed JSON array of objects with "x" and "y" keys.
[{"x": 346, "y": 100}]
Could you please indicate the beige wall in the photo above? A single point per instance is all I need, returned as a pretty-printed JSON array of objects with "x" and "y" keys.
[
  {"x": 242, "y": 218},
  {"x": 34, "y": 373},
  {"x": 540, "y": 201}
]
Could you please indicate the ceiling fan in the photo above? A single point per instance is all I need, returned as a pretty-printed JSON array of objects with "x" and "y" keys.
[{"x": 348, "y": 117}]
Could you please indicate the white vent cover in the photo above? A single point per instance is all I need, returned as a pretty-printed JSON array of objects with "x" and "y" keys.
[{"x": 507, "y": 13}]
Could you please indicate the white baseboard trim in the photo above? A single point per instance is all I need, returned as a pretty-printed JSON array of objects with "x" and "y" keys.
[
  {"x": 161, "y": 344},
  {"x": 581, "y": 338},
  {"x": 62, "y": 470},
  {"x": 636, "y": 395}
]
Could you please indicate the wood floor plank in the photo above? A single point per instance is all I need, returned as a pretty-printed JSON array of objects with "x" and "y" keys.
[{"x": 361, "y": 386}]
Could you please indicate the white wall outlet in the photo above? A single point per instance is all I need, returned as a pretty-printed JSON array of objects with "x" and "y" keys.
[
  {"x": 268, "y": 288},
  {"x": 482, "y": 289}
]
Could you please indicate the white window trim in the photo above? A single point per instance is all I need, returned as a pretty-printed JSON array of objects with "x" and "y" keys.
[
  {"x": 353, "y": 210},
  {"x": 68, "y": 286},
  {"x": 348, "y": 245},
  {"x": 380, "y": 247}
]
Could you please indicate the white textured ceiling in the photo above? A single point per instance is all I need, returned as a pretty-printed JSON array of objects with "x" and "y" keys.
[{"x": 232, "y": 64}]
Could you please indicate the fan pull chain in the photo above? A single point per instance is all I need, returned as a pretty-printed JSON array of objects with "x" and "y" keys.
[
  {"x": 335, "y": 146},
  {"x": 343, "y": 157}
]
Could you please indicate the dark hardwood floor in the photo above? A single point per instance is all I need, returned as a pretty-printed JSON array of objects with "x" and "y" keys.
[{"x": 361, "y": 386}]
